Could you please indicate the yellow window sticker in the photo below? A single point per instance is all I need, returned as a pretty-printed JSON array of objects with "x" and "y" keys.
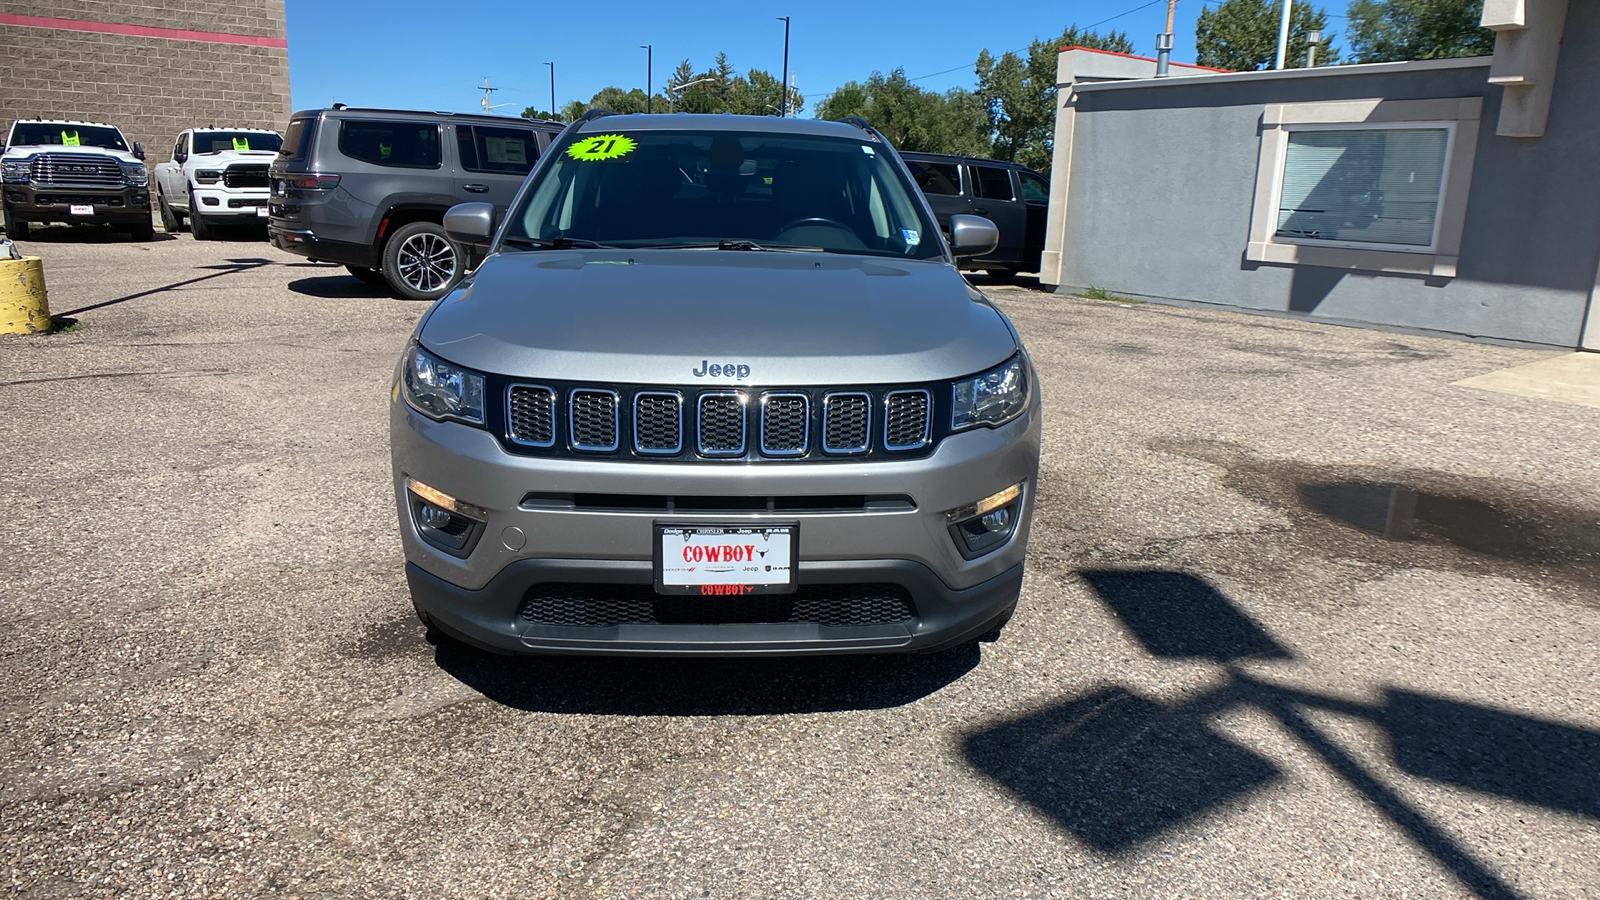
[
  {"x": 604, "y": 146},
  {"x": 70, "y": 139},
  {"x": 241, "y": 144}
]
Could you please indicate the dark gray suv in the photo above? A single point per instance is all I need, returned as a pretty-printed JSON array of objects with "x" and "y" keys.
[
  {"x": 369, "y": 187},
  {"x": 718, "y": 388}
]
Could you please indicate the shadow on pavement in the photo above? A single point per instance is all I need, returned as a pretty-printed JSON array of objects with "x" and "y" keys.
[
  {"x": 703, "y": 687},
  {"x": 337, "y": 287},
  {"x": 1116, "y": 769},
  {"x": 231, "y": 267},
  {"x": 85, "y": 234}
]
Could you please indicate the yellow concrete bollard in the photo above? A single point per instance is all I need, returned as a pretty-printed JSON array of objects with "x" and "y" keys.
[{"x": 23, "y": 306}]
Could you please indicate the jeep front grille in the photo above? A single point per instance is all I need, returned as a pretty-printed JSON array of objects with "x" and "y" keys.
[
  {"x": 785, "y": 424},
  {"x": 719, "y": 424},
  {"x": 657, "y": 422},
  {"x": 245, "y": 176},
  {"x": 846, "y": 422},
  {"x": 593, "y": 414},
  {"x": 905, "y": 419},
  {"x": 76, "y": 170}
]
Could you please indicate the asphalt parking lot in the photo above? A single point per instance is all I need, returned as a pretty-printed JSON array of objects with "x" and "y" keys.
[{"x": 1303, "y": 618}]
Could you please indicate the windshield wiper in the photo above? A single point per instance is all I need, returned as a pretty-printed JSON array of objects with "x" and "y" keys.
[
  {"x": 735, "y": 244},
  {"x": 560, "y": 243}
]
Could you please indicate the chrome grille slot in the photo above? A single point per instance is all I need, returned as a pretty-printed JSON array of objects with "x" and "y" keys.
[
  {"x": 592, "y": 414},
  {"x": 785, "y": 424},
  {"x": 846, "y": 422},
  {"x": 905, "y": 419},
  {"x": 657, "y": 422},
  {"x": 720, "y": 429},
  {"x": 531, "y": 415},
  {"x": 74, "y": 169},
  {"x": 245, "y": 176}
]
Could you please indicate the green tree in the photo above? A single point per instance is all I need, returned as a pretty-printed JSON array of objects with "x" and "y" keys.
[
  {"x": 1242, "y": 35},
  {"x": 534, "y": 112},
  {"x": 913, "y": 118},
  {"x": 718, "y": 90},
  {"x": 1018, "y": 94},
  {"x": 1391, "y": 30}
]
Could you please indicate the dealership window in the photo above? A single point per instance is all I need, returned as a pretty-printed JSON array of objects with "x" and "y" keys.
[{"x": 1375, "y": 185}]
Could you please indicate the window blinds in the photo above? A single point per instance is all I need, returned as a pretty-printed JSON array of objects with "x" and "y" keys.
[{"x": 1367, "y": 185}]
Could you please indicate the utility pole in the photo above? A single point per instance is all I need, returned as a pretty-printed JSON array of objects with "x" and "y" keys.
[
  {"x": 1313, "y": 39},
  {"x": 1164, "y": 42},
  {"x": 1283, "y": 34},
  {"x": 649, "y": 71},
  {"x": 783, "y": 74},
  {"x": 486, "y": 91},
  {"x": 553, "y": 113}
]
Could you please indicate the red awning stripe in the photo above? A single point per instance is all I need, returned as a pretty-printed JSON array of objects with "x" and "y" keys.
[{"x": 171, "y": 34}]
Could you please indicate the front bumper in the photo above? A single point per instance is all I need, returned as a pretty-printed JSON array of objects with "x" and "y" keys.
[
  {"x": 229, "y": 203},
  {"x": 479, "y": 598},
  {"x": 53, "y": 203}
]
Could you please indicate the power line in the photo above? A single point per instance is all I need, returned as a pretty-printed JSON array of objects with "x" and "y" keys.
[{"x": 1021, "y": 49}]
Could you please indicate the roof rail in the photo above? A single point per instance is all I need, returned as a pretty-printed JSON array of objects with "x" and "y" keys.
[
  {"x": 864, "y": 125},
  {"x": 592, "y": 114}
]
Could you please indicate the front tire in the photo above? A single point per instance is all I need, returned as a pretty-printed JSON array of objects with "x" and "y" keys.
[
  {"x": 199, "y": 227},
  {"x": 169, "y": 218},
  {"x": 16, "y": 229},
  {"x": 420, "y": 263}
]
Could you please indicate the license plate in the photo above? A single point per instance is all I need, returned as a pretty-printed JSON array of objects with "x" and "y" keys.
[
  {"x": 261, "y": 212},
  {"x": 81, "y": 209},
  {"x": 730, "y": 560}
]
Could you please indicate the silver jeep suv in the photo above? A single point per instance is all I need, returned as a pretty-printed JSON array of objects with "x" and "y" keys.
[{"x": 718, "y": 388}]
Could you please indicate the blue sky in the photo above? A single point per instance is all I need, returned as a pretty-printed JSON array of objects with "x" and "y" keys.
[{"x": 417, "y": 54}]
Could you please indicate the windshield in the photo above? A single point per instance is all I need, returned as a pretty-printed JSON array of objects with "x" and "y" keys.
[
  {"x": 218, "y": 141},
  {"x": 29, "y": 134},
  {"x": 737, "y": 190}
]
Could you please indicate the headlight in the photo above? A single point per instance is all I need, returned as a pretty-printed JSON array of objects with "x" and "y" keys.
[
  {"x": 439, "y": 390},
  {"x": 207, "y": 176},
  {"x": 992, "y": 398},
  {"x": 15, "y": 170}
]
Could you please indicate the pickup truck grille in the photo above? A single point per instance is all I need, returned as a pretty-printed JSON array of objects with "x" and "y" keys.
[
  {"x": 245, "y": 176},
  {"x": 720, "y": 424},
  {"x": 76, "y": 170}
]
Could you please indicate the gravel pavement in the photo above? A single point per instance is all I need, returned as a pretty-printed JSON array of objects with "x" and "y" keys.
[{"x": 1302, "y": 619}]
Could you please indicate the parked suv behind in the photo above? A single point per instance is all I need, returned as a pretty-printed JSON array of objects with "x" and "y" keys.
[
  {"x": 369, "y": 188},
  {"x": 718, "y": 388},
  {"x": 57, "y": 170},
  {"x": 1014, "y": 197}
]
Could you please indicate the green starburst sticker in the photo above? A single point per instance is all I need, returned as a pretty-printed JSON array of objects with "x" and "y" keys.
[{"x": 604, "y": 146}]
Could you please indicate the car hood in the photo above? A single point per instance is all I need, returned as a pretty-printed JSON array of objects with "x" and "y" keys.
[
  {"x": 25, "y": 151},
  {"x": 658, "y": 317},
  {"x": 226, "y": 157}
]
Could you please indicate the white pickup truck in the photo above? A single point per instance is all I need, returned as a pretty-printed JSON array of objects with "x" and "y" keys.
[
  {"x": 217, "y": 176},
  {"x": 58, "y": 170}
]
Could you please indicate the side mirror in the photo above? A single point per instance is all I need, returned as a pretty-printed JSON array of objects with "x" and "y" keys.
[
  {"x": 138, "y": 150},
  {"x": 469, "y": 223},
  {"x": 181, "y": 156},
  {"x": 973, "y": 236}
]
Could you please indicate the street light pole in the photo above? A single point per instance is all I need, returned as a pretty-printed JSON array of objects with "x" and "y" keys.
[
  {"x": 1313, "y": 39},
  {"x": 553, "y": 113},
  {"x": 783, "y": 76},
  {"x": 649, "y": 71}
]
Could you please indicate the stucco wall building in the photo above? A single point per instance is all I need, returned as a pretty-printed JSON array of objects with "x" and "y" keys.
[
  {"x": 152, "y": 69},
  {"x": 1456, "y": 196}
]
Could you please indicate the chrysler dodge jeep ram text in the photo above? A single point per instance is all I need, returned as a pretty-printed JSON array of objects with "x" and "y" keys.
[{"x": 718, "y": 388}]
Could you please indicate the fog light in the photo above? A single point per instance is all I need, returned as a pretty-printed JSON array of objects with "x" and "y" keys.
[
  {"x": 986, "y": 525},
  {"x": 443, "y": 521}
]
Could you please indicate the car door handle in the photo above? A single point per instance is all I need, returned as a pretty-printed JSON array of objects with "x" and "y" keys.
[
  {"x": 477, "y": 188},
  {"x": 980, "y": 210}
]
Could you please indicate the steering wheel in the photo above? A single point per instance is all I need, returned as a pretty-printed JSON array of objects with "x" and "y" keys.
[{"x": 816, "y": 220}]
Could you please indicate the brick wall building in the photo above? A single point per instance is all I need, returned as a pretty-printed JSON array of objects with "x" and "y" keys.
[{"x": 150, "y": 67}]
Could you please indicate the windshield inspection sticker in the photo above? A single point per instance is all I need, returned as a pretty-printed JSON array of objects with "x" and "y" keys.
[
  {"x": 241, "y": 144},
  {"x": 604, "y": 146},
  {"x": 911, "y": 236}
]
